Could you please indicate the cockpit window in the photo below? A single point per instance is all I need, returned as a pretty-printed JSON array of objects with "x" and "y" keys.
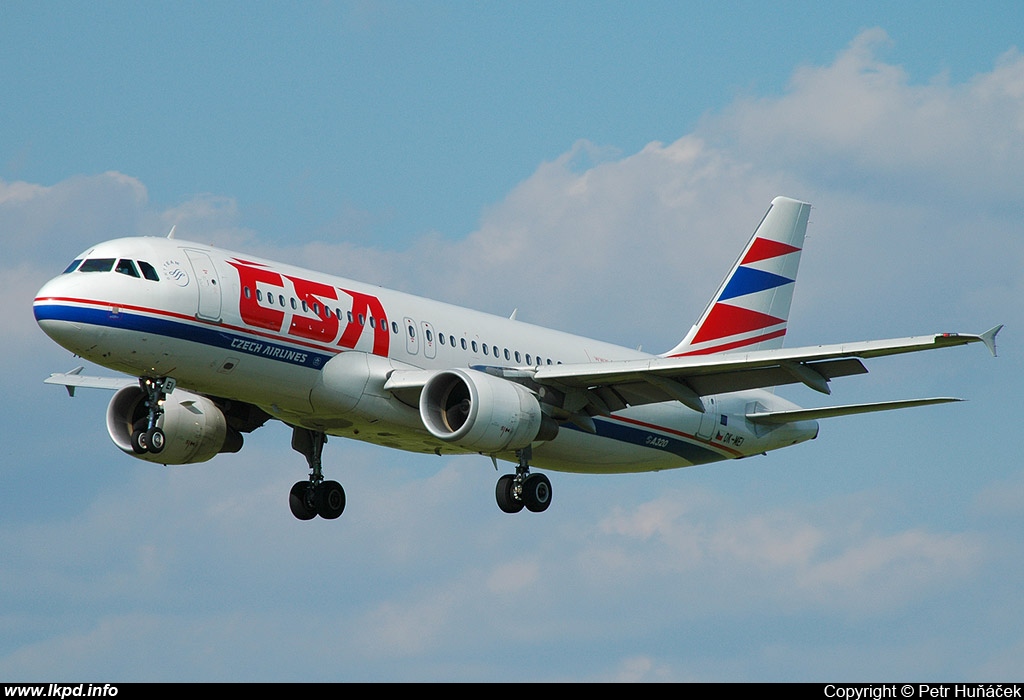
[
  {"x": 148, "y": 271},
  {"x": 71, "y": 268},
  {"x": 126, "y": 267},
  {"x": 97, "y": 265}
]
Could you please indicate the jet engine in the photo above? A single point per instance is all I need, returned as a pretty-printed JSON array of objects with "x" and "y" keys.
[
  {"x": 483, "y": 413},
  {"x": 194, "y": 427}
]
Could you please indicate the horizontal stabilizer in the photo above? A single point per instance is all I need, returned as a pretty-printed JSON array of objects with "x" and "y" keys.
[{"x": 779, "y": 417}]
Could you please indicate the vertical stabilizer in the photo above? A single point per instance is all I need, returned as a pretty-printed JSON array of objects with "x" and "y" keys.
[{"x": 751, "y": 308}]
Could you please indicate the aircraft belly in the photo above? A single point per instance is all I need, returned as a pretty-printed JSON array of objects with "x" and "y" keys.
[{"x": 647, "y": 438}]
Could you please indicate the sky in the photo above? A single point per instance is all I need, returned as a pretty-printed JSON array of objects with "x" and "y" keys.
[{"x": 597, "y": 165}]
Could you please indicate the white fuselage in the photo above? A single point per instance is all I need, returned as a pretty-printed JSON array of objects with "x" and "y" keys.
[{"x": 236, "y": 327}]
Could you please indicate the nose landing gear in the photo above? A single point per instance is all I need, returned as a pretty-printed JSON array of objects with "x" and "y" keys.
[{"x": 146, "y": 434}]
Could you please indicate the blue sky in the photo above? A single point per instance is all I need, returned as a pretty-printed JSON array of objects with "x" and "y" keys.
[{"x": 597, "y": 165}]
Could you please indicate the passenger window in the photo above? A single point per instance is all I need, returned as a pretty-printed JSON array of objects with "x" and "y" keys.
[
  {"x": 148, "y": 271},
  {"x": 507, "y": 356},
  {"x": 71, "y": 268},
  {"x": 440, "y": 336},
  {"x": 97, "y": 265},
  {"x": 246, "y": 292},
  {"x": 394, "y": 327},
  {"x": 463, "y": 343},
  {"x": 474, "y": 346}
]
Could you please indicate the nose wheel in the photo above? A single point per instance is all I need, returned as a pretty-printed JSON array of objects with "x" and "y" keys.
[
  {"x": 514, "y": 492},
  {"x": 315, "y": 496}
]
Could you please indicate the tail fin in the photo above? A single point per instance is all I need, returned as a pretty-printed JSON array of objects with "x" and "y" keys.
[{"x": 751, "y": 308}]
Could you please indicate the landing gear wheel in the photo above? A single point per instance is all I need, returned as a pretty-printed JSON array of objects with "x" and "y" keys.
[
  {"x": 299, "y": 501},
  {"x": 139, "y": 444},
  {"x": 536, "y": 493},
  {"x": 316, "y": 496},
  {"x": 155, "y": 440},
  {"x": 330, "y": 500},
  {"x": 504, "y": 494}
]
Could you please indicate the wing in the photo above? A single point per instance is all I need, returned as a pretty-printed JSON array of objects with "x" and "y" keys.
[
  {"x": 74, "y": 379},
  {"x": 611, "y": 386}
]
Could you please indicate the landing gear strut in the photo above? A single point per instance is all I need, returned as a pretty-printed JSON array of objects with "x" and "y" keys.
[
  {"x": 514, "y": 491},
  {"x": 315, "y": 496},
  {"x": 146, "y": 435}
]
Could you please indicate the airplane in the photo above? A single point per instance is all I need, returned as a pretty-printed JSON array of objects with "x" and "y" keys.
[{"x": 217, "y": 343}]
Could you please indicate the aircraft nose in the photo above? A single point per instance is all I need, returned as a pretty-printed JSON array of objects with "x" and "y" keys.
[{"x": 52, "y": 312}]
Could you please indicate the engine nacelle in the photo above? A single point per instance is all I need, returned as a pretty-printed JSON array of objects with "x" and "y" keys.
[
  {"x": 481, "y": 412},
  {"x": 194, "y": 427}
]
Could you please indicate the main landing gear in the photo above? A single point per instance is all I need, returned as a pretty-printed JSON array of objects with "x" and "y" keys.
[
  {"x": 514, "y": 491},
  {"x": 315, "y": 496},
  {"x": 146, "y": 436}
]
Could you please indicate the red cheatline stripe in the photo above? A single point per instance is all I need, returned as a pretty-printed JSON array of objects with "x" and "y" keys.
[{"x": 277, "y": 337}]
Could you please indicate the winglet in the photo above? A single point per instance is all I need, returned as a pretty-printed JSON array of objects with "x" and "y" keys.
[{"x": 989, "y": 338}]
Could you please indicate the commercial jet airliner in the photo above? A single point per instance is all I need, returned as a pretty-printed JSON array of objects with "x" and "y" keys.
[{"x": 216, "y": 343}]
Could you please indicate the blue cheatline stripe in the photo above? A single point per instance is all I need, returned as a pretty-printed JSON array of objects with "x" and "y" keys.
[
  {"x": 205, "y": 335},
  {"x": 747, "y": 280},
  {"x": 692, "y": 452}
]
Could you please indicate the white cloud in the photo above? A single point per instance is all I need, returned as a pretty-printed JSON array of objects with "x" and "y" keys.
[{"x": 861, "y": 118}]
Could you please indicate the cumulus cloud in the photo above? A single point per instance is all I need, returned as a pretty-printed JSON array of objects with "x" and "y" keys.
[
  {"x": 37, "y": 221},
  {"x": 862, "y": 119}
]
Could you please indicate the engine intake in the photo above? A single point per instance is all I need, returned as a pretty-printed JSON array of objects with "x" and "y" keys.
[
  {"x": 483, "y": 413},
  {"x": 194, "y": 427}
]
